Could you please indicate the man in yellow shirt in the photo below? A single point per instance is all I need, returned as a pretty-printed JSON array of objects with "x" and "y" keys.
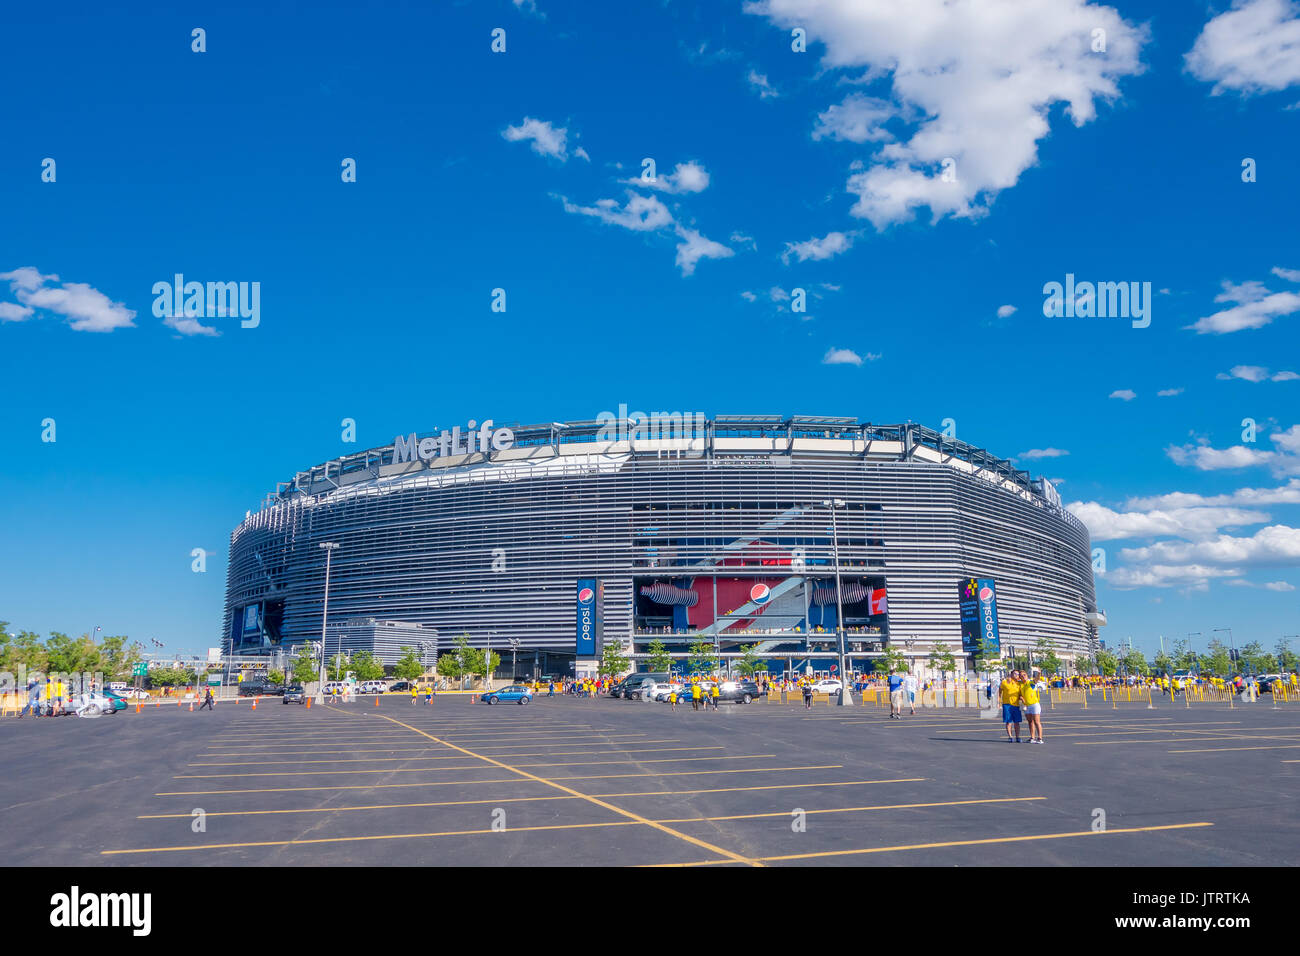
[
  {"x": 1009, "y": 695},
  {"x": 695, "y": 695},
  {"x": 1033, "y": 709}
]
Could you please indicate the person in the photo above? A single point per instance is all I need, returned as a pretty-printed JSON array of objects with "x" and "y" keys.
[
  {"x": 207, "y": 699},
  {"x": 415, "y": 694},
  {"x": 695, "y": 695},
  {"x": 428, "y": 694},
  {"x": 807, "y": 693},
  {"x": 910, "y": 683},
  {"x": 1032, "y": 707},
  {"x": 672, "y": 699},
  {"x": 896, "y": 694},
  {"x": 550, "y": 689},
  {"x": 33, "y": 698},
  {"x": 1009, "y": 695},
  {"x": 713, "y": 694}
]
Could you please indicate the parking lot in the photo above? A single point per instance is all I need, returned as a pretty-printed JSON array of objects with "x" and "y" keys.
[{"x": 609, "y": 782}]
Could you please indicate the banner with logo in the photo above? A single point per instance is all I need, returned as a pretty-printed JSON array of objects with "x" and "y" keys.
[
  {"x": 977, "y": 602},
  {"x": 585, "y": 598}
]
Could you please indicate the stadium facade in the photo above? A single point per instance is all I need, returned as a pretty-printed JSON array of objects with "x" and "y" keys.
[{"x": 552, "y": 539}]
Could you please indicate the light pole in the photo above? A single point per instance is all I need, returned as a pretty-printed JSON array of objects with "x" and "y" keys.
[
  {"x": 514, "y": 659},
  {"x": 329, "y": 547},
  {"x": 832, "y": 504}
]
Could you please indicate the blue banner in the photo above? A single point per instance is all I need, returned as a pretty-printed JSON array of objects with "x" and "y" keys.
[
  {"x": 977, "y": 602},
  {"x": 585, "y": 597}
]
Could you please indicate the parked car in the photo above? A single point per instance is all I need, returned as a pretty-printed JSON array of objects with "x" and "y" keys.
[
  {"x": 401, "y": 686},
  {"x": 616, "y": 690},
  {"x": 257, "y": 688},
  {"x": 373, "y": 687},
  {"x": 514, "y": 694},
  {"x": 132, "y": 693},
  {"x": 293, "y": 694},
  {"x": 740, "y": 691},
  {"x": 634, "y": 684},
  {"x": 661, "y": 691},
  {"x": 827, "y": 685}
]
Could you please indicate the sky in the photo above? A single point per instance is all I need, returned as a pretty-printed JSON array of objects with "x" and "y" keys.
[{"x": 795, "y": 207}]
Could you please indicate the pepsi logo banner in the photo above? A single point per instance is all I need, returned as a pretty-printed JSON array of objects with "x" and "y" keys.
[
  {"x": 977, "y": 603},
  {"x": 586, "y": 617},
  {"x": 760, "y": 594}
]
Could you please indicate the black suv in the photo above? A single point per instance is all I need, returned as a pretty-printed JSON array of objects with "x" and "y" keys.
[
  {"x": 741, "y": 691},
  {"x": 293, "y": 694},
  {"x": 255, "y": 688}
]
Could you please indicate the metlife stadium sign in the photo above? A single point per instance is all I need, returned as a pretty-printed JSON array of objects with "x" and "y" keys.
[
  {"x": 476, "y": 439},
  {"x": 977, "y": 600}
]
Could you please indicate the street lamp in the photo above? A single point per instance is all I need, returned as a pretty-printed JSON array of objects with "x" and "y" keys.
[
  {"x": 329, "y": 547},
  {"x": 514, "y": 659},
  {"x": 832, "y": 504}
]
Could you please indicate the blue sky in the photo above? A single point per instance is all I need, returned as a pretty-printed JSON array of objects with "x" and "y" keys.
[{"x": 818, "y": 170}]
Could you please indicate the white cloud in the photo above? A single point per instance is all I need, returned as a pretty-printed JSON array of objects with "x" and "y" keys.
[
  {"x": 695, "y": 247},
  {"x": 836, "y": 356},
  {"x": 1127, "y": 394},
  {"x": 975, "y": 81},
  {"x": 1195, "y": 577},
  {"x": 189, "y": 326},
  {"x": 748, "y": 296},
  {"x": 1006, "y": 311},
  {"x": 1206, "y": 458},
  {"x": 832, "y": 245},
  {"x": 13, "y": 312},
  {"x": 1035, "y": 453},
  {"x": 1169, "y": 392},
  {"x": 1290, "y": 275},
  {"x": 1279, "y": 586},
  {"x": 86, "y": 308},
  {"x": 1252, "y": 48},
  {"x": 690, "y": 177},
  {"x": 1288, "y": 494},
  {"x": 1106, "y": 524},
  {"x": 859, "y": 119},
  {"x": 758, "y": 82},
  {"x": 1272, "y": 546},
  {"x": 777, "y": 294},
  {"x": 1253, "y": 308},
  {"x": 1251, "y": 373},
  {"x": 639, "y": 213},
  {"x": 1284, "y": 377},
  {"x": 543, "y": 138}
]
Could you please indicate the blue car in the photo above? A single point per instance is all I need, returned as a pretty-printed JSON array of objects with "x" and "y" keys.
[{"x": 514, "y": 694}]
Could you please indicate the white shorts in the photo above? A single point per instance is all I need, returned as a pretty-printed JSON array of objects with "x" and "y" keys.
[{"x": 1033, "y": 708}]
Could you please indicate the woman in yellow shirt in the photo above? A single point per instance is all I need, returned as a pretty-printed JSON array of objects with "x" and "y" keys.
[{"x": 1032, "y": 708}]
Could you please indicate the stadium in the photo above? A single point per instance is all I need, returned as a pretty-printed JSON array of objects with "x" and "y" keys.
[{"x": 745, "y": 531}]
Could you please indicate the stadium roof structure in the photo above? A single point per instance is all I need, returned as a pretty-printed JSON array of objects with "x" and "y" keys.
[{"x": 705, "y": 437}]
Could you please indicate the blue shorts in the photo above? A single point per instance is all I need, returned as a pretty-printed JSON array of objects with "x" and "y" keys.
[{"x": 1010, "y": 714}]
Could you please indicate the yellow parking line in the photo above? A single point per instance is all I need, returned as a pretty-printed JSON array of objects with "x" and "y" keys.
[
  {"x": 571, "y": 763},
  {"x": 932, "y": 846},
  {"x": 735, "y": 857},
  {"x": 448, "y": 783},
  {"x": 633, "y": 821},
  {"x": 1188, "y": 740},
  {"x": 1213, "y": 750},
  {"x": 458, "y": 803},
  {"x": 563, "y": 753}
]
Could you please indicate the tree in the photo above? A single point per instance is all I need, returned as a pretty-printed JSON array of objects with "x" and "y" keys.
[
  {"x": 1084, "y": 664},
  {"x": 988, "y": 656},
  {"x": 749, "y": 662},
  {"x": 1047, "y": 659},
  {"x": 613, "y": 661},
  {"x": 1217, "y": 662},
  {"x": 941, "y": 659},
  {"x": 894, "y": 659},
  {"x": 338, "y": 667},
  {"x": 702, "y": 659},
  {"x": 366, "y": 666},
  {"x": 1183, "y": 656},
  {"x": 171, "y": 676},
  {"x": 408, "y": 666},
  {"x": 658, "y": 660},
  {"x": 1135, "y": 662},
  {"x": 1287, "y": 659},
  {"x": 1164, "y": 664},
  {"x": 1107, "y": 663},
  {"x": 275, "y": 676},
  {"x": 117, "y": 656},
  {"x": 304, "y": 665},
  {"x": 1258, "y": 660}
]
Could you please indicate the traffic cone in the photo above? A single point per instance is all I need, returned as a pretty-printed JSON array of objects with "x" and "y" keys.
[
  {"x": 254, "y": 703},
  {"x": 376, "y": 700},
  {"x": 137, "y": 707},
  {"x": 191, "y": 707}
]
